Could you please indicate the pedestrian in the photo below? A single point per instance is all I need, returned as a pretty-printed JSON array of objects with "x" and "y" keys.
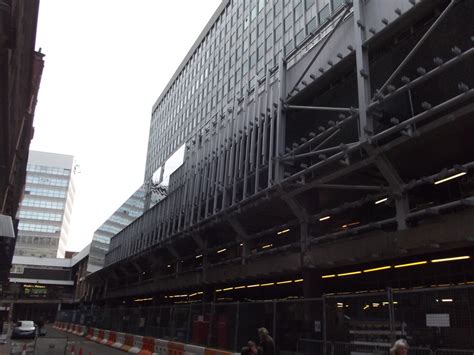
[
  {"x": 251, "y": 349},
  {"x": 266, "y": 341},
  {"x": 400, "y": 347}
]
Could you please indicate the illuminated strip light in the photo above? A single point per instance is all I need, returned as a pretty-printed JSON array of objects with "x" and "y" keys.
[
  {"x": 228, "y": 289},
  {"x": 381, "y": 201},
  {"x": 267, "y": 284},
  {"x": 239, "y": 287},
  {"x": 298, "y": 280},
  {"x": 449, "y": 178},
  {"x": 193, "y": 294},
  {"x": 350, "y": 273},
  {"x": 283, "y": 231},
  {"x": 198, "y": 256},
  {"x": 328, "y": 276},
  {"x": 252, "y": 286},
  {"x": 450, "y": 259},
  {"x": 366, "y": 306},
  {"x": 447, "y": 300},
  {"x": 142, "y": 299},
  {"x": 378, "y": 269},
  {"x": 284, "y": 282},
  {"x": 219, "y": 290},
  {"x": 324, "y": 218},
  {"x": 410, "y": 264},
  {"x": 221, "y": 251},
  {"x": 350, "y": 224},
  {"x": 200, "y": 293},
  {"x": 267, "y": 246}
]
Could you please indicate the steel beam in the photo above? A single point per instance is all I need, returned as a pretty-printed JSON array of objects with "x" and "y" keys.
[
  {"x": 414, "y": 50},
  {"x": 321, "y": 108}
]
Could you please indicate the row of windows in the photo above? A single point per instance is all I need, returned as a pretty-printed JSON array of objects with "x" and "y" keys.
[
  {"x": 36, "y": 240},
  {"x": 46, "y": 181},
  {"x": 31, "y": 227},
  {"x": 48, "y": 170},
  {"x": 40, "y": 215},
  {"x": 45, "y": 192},
  {"x": 242, "y": 44},
  {"x": 42, "y": 204}
]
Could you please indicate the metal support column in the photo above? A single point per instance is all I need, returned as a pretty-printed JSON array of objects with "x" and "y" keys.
[
  {"x": 280, "y": 123},
  {"x": 363, "y": 72}
]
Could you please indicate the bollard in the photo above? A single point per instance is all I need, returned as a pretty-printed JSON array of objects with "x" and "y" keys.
[{"x": 23, "y": 351}]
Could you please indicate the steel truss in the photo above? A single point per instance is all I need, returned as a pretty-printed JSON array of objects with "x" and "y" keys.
[{"x": 241, "y": 158}]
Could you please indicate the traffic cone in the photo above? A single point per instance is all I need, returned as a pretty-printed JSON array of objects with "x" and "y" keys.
[
  {"x": 23, "y": 351},
  {"x": 73, "y": 352}
]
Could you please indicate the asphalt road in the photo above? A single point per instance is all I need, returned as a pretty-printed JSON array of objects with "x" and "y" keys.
[{"x": 80, "y": 343}]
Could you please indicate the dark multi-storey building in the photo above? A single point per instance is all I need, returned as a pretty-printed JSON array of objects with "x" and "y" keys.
[
  {"x": 327, "y": 149},
  {"x": 20, "y": 72}
]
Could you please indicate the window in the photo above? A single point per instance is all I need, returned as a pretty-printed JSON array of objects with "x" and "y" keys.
[
  {"x": 299, "y": 37},
  {"x": 309, "y": 4},
  {"x": 298, "y": 11},
  {"x": 311, "y": 26}
]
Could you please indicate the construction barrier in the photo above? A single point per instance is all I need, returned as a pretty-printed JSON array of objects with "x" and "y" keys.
[{"x": 137, "y": 344}]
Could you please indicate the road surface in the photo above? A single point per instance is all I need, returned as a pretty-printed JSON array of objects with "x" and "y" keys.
[{"x": 88, "y": 347}]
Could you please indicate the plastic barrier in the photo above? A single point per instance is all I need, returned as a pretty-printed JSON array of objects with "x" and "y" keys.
[
  {"x": 141, "y": 345},
  {"x": 112, "y": 338},
  {"x": 120, "y": 340},
  {"x": 128, "y": 343},
  {"x": 105, "y": 337}
]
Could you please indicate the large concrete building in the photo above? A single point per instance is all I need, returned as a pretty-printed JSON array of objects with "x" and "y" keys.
[
  {"x": 131, "y": 209},
  {"x": 20, "y": 72},
  {"x": 327, "y": 149},
  {"x": 46, "y": 208}
]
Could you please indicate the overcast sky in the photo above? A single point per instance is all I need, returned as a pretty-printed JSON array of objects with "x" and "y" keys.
[{"x": 106, "y": 63}]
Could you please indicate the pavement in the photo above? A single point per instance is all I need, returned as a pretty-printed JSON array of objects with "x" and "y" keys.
[{"x": 88, "y": 347}]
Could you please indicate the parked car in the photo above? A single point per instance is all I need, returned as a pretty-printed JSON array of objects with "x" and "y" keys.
[{"x": 24, "y": 329}]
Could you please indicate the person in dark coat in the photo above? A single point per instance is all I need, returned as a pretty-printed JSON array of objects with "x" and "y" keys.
[{"x": 266, "y": 341}]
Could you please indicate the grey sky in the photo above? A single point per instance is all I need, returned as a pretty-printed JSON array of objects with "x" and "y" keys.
[{"x": 106, "y": 64}]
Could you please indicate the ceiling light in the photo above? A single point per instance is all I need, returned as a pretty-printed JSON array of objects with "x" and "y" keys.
[
  {"x": 284, "y": 282},
  {"x": 221, "y": 251},
  {"x": 252, "y": 286},
  {"x": 267, "y": 246},
  {"x": 298, "y": 280},
  {"x": 378, "y": 269},
  {"x": 350, "y": 273},
  {"x": 283, "y": 231},
  {"x": 239, "y": 287},
  {"x": 410, "y": 264},
  {"x": 324, "y": 218},
  {"x": 268, "y": 284},
  {"x": 228, "y": 289},
  {"x": 447, "y": 300},
  {"x": 198, "y": 256},
  {"x": 450, "y": 259},
  {"x": 328, "y": 276},
  {"x": 382, "y": 200},
  {"x": 449, "y": 178}
]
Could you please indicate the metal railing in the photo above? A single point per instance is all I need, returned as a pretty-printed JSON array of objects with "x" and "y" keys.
[{"x": 433, "y": 318}]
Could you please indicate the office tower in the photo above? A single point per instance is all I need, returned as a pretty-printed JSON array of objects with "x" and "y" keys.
[{"x": 46, "y": 207}]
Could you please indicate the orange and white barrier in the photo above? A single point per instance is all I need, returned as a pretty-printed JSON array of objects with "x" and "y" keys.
[
  {"x": 137, "y": 344},
  {"x": 120, "y": 340}
]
